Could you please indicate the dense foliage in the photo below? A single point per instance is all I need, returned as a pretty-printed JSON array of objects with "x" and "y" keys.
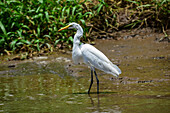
[
  {"x": 31, "y": 25},
  {"x": 127, "y": 14}
]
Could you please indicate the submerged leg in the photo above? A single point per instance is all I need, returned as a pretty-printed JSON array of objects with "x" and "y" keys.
[
  {"x": 97, "y": 82},
  {"x": 91, "y": 81}
]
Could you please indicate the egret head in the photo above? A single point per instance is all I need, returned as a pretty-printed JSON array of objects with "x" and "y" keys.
[{"x": 72, "y": 25}]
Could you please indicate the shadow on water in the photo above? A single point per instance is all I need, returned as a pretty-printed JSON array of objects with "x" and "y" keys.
[{"x": 95, "y": 93}]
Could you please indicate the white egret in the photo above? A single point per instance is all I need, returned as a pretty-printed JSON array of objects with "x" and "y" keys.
[{"x": 90, "y": 55}]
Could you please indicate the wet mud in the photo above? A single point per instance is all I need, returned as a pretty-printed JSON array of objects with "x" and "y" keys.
[{"x": 54, "y": 84}]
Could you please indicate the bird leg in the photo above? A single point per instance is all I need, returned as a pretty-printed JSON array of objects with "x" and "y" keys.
[
  {"x": 97, "y": 82},
  {"x": 91, "y": 81}
]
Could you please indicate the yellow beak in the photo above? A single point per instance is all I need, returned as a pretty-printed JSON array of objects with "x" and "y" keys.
[{"x": 64, "y": 28}]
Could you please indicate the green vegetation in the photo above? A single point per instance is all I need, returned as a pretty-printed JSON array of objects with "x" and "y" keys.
[{"x": 31, "y": 25}]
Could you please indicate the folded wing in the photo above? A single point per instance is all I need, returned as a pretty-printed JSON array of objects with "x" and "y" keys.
[{"x": 97, "y": 59}]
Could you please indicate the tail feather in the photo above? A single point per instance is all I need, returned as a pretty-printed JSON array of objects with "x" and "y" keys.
[
  {"x": 114, "y": 70},
  {"x": 117, "y": 68}
]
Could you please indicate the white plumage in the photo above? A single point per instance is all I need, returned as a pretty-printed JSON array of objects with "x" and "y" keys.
[
  {"x": 90, "y": 55},
  {"x": 97, "y": 59}
]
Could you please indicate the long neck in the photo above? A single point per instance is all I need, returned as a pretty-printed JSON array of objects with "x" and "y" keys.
[
  {"x": 76, "y": 52},
  {"x": 77, "y": 36}
]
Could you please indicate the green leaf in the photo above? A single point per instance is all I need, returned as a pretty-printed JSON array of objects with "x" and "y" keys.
[
  {"x": 135, "y": 2},
  {"x": 32, "y": 22},
  {"x": 56, "y": 42},
  {"x": 146, "y": 5},
  {"x": 12, "y": 25},
  {"x": 20, "y": 33},
  {"x": 2, "y": 41},
  {"x": 38, "y": 31},
  {"x": 38, "y": 47},
  {"x": 164, "y": 1},
  {"x": 41, "y": 1},
  {"x": 99, "y": 8},
  {"x": 37, "y": 16},
  {"x": 19, "y": 43},
  {"x": 25, "y": 26},
  {"x": 47, "y": 16},
  {"x": 73, "y": 10},
  {"x": 36, "y": 41},
  {"x": 71, "y": 38},
  {"x": 62, "y": 13},
  {"x": 83, "y": 22},
  {"x": 47, "y": 36},
  {"x": 26, "y": 42},
  {"x": 13, "y": 43},
  {"x": 3, "y": 28},
  {"x": 68, "y": 11},
  {"x": 48, "y": 45},
  {"x": 38, "y": 9},
  {"x": 87, "y": 13},
  {"x": 104, "y": 3}
]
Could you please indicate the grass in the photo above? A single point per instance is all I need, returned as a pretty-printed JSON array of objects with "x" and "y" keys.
[{"x": 31, "y": 25}]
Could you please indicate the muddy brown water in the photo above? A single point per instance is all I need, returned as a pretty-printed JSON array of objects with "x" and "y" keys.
[{"x": 54, "y": 84}]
